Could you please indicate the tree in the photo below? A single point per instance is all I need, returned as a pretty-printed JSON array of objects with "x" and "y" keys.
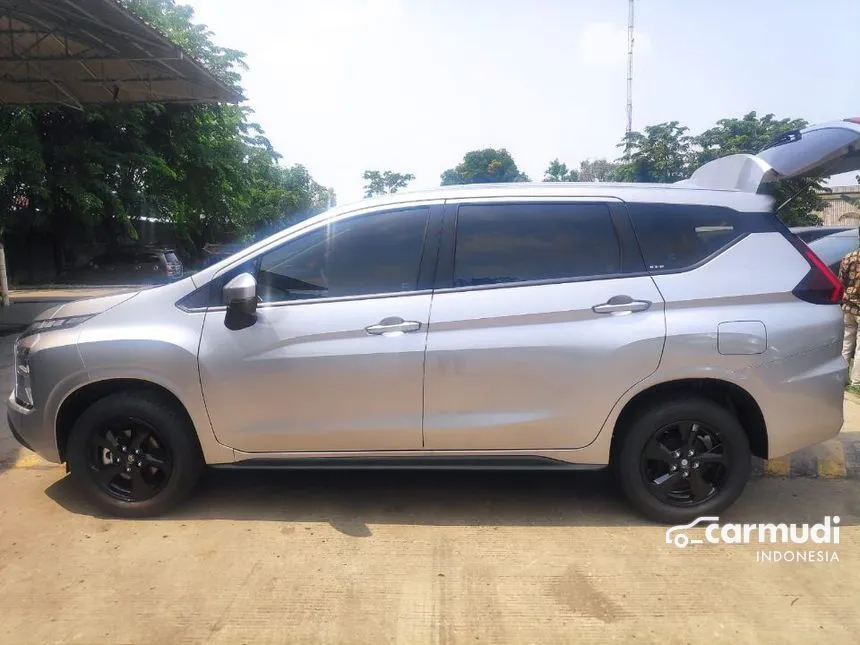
[
  {"x": 597, "y": 170},
  {"x": 558, "y": 171},
  {"x": 662, "y": 154},
  {"x": 484, "y": 167},
  {"x": 382, "y": 183},
  {"x": 206, "y": 168},
  {"x": 666, "y": 153},
  {"x": 750, "y": 134}
]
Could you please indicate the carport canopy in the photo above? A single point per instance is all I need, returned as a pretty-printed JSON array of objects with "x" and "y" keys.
[{"x": 78, "y": 52}]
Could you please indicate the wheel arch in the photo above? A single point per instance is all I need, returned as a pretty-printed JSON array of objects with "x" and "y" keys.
[
  {"x": 729, "y": 395},
  {"x": 83, "y": 397}
]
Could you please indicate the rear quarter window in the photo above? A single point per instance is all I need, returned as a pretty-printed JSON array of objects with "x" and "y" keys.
[{"x": 678, "y": 236}]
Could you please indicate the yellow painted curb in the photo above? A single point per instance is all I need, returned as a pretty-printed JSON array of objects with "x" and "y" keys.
[
  {"x": 831, "y": 459},
  {"x": 778, "y": 467},
  {"x": 31, "y": 460}
]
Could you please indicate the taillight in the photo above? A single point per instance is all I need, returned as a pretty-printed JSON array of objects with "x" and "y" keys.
[
  {"x": 855, "y": 119},
  {"x": 820, "y": 286}
]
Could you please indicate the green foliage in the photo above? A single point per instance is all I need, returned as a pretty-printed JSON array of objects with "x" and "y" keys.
[
  {"x": 750, "y": 134},
  {"x": 662, "y": 154},
  {"x": 207, "y": 168},
  {"x": 598, "y": 170},
  {"x": 382, "y": 183},
  {"x": 175, "y": 22},
  {"x": 594, "y": 170},
  {"x": 666, "y": 153},
  {"x": 558, "y": 171},
  {"x": 484, "y": 167}
]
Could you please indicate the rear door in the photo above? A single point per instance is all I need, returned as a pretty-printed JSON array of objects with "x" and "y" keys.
[{"x": 542, "y": 318}]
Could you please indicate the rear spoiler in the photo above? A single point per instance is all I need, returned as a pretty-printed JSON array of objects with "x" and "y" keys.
[{"x": 742, "y": 172}]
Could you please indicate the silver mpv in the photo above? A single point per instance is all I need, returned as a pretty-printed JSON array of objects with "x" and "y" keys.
[{"x": 669, "y": 331}]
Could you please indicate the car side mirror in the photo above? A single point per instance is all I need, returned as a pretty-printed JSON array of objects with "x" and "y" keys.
[{"x": 240, "y": 295}]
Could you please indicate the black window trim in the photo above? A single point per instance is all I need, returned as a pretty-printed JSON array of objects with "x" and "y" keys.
[
  {"x": 632, "y": 263},
  {"x": 754, "y": 222},
  {"x": 426, "y": 266}
]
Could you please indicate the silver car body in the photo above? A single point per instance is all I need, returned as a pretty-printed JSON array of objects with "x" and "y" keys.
[{"x": 532, "y": 370}]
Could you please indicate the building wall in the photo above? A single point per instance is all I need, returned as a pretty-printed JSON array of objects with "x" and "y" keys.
[{"x": 838, "y": 211}]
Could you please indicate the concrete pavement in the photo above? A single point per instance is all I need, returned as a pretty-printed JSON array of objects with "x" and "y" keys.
[
  {"x": 362, "y": 557},
  {"x": 66, "y": 294}
]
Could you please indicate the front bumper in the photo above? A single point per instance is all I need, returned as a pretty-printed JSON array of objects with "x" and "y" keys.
[{"x": 26, "y": 426}]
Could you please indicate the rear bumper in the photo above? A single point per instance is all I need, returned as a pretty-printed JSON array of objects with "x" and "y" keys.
[
  {"x": 800, "y": 396},
  {"x": 26, "y": 427}
]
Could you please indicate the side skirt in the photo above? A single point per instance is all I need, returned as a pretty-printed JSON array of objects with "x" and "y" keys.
[{"x": 409, "y": 463}]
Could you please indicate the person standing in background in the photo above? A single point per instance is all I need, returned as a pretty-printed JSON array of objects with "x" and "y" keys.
[{"x": 849, "y": 276}]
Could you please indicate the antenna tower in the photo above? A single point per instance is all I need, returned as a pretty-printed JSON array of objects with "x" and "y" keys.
[{"x": 630, "y": 71}]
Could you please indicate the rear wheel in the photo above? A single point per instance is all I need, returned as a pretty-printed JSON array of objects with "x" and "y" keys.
[
  {"x": 682, "y": 459},
  {"x": 134, "y": 454}
]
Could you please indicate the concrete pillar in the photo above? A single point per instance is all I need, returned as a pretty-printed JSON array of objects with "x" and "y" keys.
[{"x": 4, "y": 281}]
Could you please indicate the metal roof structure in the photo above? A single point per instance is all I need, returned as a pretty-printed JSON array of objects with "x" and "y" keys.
[{"x": 78, "y": 52}]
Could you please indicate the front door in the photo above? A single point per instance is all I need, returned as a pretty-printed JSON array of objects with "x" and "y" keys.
[
  {"x": 543, "y": 327},
  {"x": 335, "y": 359}
]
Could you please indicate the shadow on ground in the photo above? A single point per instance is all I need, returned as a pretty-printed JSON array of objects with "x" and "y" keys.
[{"x": 350, "y": 501}]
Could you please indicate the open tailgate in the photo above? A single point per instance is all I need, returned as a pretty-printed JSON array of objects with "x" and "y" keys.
[{"x": 817, "y": 151}]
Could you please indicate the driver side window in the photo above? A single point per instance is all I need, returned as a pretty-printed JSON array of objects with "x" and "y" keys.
[
  {"x": 296, "y": 270},
  {"x": 363, "y": 255}
]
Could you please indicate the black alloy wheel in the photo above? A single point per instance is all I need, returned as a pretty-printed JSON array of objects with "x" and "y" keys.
[
  {"x": 135, "y": 453},
  {"x": 681, "y": 458},
  {"x": 685, "y": 463},
  {"x": 129, "y": 460}
]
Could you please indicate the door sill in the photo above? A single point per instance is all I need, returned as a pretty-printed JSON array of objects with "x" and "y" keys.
[{"x": 460, "y": 462}]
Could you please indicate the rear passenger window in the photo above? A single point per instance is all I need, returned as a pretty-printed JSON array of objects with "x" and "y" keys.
[
  {"x": 504, "y": 243},
  {"x": 677, "y": 236}
]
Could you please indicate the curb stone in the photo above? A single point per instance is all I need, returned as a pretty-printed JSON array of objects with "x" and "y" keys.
[{"x": 833, "y": 459}]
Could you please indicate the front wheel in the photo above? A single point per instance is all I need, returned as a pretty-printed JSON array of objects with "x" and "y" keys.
[
  {"x": 134, "y": 454},
  {"x": 683, "y": 459}
]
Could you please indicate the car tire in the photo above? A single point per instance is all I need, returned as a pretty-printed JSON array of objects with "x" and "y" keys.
[
  {"x": 658, "y": 492},
  {"x": 134, "y": 454}
]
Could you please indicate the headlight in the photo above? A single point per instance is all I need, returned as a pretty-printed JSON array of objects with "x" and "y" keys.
[
  {"x": 54, "y": 323},
  {"x": 23, "y": 385}
]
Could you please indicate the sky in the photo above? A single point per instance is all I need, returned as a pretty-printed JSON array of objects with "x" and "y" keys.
[{"x": 342, "y": 86}]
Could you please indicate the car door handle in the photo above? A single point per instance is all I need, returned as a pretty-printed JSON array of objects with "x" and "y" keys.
[
  {"x": 621, "y": 305},
  {"x": 392, "y": 326}
]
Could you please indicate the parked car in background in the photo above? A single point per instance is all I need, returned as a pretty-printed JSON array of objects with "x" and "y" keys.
[
  {"x": 548, "y": 325},
  {"x": 129, "y": 266},
  {"x": 830, "y": 243}
]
